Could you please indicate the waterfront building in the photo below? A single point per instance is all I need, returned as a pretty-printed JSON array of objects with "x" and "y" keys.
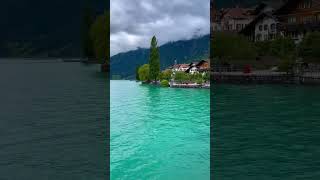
[
  {"x": 262, "y": 28},
  {"x": 299, "y": 17}
]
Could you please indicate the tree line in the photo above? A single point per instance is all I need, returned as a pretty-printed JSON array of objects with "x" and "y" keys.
[
  {"x": 237, "y": 49},
  {"x": 95, "y": 36}
]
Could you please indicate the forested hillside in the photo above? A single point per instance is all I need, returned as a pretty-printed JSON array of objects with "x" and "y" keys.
[{"x": 124, "y": 64}]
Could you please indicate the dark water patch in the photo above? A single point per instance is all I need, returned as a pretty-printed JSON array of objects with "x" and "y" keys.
[
  {"x": 265, "y": 132},
  {"x": 53, "y": 121}
]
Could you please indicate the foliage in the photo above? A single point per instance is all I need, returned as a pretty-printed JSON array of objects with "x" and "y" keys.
[
  {"x": 282, "y": 47},
  {"x": 286, "y": 65},
  {"x": 99, "y": 34},
  {"x": 144, "y": 72},
  {"x": 154, "y": 60},
  {"x": 310, "y": 46},
  {"x": 166, "y": 75},
  {"x": 137, "y": 74},
  {"x": 199, "y": 81},
  {"x": 181, "y": 77},
  {"x": 184, "y": 51},
  {"x": 164, "y": 83},
  {"x": 232, "y": 47},
  {"x": 263, "y": 48},
  {"x": 206, "y": 76}
]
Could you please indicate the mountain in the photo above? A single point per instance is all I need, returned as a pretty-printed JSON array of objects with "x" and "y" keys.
[
  {"x": 42, "y": 28},
  {"x": 124, "y": 64}
]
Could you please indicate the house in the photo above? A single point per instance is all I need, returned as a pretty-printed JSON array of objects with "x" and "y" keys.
[
  {"x": 198, "y": 67},
  {"x": 264, "y": 27},
  {"x": 298, "y": 17},
  {"x": 180, "y": 67},
  {"x": 235, "y": 19}
]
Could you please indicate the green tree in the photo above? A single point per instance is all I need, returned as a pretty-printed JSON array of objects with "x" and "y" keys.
[
  {"x": 164, "y": 83},
  {"x": 309, "y": 48},
  {"x": 144, "y": 73},
  {"x": 154, "y": 60},
  {"x": 137, "y": 74},
  {"x": 283, "y": 47},
  {"x": 206, "y": 76},
  {"x": 232, "y": 47},
  {"x": 99, "y": 34},
  {"x": 166, "y": 75},
  {"x": 181, "y": 77}
]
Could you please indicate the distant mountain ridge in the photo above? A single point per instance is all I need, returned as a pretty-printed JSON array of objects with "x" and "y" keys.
[{"x": 124, "y": 64}]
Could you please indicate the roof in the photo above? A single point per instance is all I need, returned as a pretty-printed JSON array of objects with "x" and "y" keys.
[
  {"x": 180, "y": 66},
  {"x": 256, "y": 20},
  {"x": 236, "y": 12}
]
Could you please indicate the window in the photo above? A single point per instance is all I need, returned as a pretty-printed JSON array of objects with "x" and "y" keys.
[
  {"x": 292, "y": 19},
  {"x": 273, "y": 27},
  {"x": 260, "y": 27},
  {"x": 305, "y": 4},
  {"x": 307, "y": 19},
  {"x": 238, "y": 27},
  {"x": 265, "y": 27},
  {"x": 258, "y": 37}
]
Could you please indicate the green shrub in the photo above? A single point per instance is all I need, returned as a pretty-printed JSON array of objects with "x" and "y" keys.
[
  {"x": 166, "y": 75},
  {"x": 199, "y": 81},
  {"x": 181, "y": 77},
  {"x": 286, "y": 65},
  {"x": 144, "y": 72},
  {"x": 310, "y": 46},
  {"x": 164, "y": 83},
  {"x": 232, "y": 47}
]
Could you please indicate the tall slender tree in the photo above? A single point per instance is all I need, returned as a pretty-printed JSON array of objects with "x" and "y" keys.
[
  {"x": 99, "y": 35},
  {"x": 154, "y": 60}
]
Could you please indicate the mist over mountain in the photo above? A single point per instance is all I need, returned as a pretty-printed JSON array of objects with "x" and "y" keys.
[
  {"x": 38, "y": 28},
  {"x": 184, "y": 51}
]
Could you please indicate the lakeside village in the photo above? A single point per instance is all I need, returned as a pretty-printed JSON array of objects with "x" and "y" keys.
[
  {"x": 276, "y": 41},
  {"x": 192, "y": 75}
]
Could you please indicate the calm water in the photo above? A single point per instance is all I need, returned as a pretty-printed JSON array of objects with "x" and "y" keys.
[
  {"x": 159, "y": 133},
  {"x": 52, "y": 121},
  {"x": 266, "y": 132}
]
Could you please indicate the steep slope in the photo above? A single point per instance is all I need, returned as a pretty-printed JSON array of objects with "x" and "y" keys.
[{"x": 124, "y": 64}]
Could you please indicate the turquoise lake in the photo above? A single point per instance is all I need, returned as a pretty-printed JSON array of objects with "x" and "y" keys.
[{"x": 159, "y": 133}]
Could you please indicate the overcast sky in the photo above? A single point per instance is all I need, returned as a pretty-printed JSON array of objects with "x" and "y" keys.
[{"x": 134, "y": 22}]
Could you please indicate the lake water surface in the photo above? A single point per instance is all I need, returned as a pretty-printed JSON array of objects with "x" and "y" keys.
[
  {"x": 266, "y": 132},
  {"x": 52, "y": 121},
  {"x": 159, "y": 133}
]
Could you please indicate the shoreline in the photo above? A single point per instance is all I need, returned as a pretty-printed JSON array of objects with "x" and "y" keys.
[{"x": 265, "y": 78}]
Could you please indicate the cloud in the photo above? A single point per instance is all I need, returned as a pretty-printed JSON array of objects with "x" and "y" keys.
[{"x": 134, "y": 22}]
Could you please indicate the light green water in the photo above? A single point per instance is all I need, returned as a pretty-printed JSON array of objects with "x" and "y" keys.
[{"x": 159, "y": 133}]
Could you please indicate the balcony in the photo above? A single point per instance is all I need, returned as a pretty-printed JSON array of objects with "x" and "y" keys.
[{"x": 300, "y": 26}]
